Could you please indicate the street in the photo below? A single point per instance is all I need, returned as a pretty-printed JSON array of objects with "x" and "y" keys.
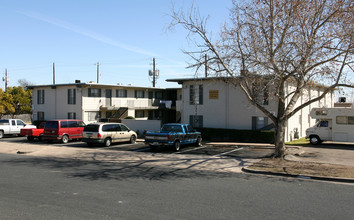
[{"x": 34, "y": 187}]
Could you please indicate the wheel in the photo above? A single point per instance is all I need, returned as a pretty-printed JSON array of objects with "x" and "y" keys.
[
  {"x": 199, "y": 141},
  {"x": 107, "y": 142},
  {"x": 65, "y": 139},
  {"x": 30, "y": 138},
  {"x": 177, "y": 146},
  {"x": 1, "y": 134},
  {"x": 132, "y": 139},
  {"x": 315, "y": 140}
]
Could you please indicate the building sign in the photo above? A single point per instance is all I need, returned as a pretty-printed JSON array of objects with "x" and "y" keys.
[{"x": 213, "y": 94}]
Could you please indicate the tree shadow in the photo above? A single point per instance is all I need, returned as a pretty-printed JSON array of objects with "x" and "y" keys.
[{"x": 120, "y": 170}]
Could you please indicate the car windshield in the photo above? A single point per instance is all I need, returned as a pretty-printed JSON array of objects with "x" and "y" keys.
[
  {"x": 172, "y": 128},
  {"x": 91, "y": 128},
  {"x": 51, "y": 124}
]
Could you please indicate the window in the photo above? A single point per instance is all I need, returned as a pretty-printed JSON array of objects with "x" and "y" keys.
[
  {"x": 40, "y": 116},
  {"x": 158, "y": 95},
  {"x": 345, "y": 120},
  {"x": 111, "y": 127},
  {"x": 121, "y": 93},
  {"x": 196, "y": 95},
  {"x": 351, "y": 120},
  {"x": 94, "y": 92},
  {"x": 40, "y": 96},
  {"x": 139, "y": 114},
  {"x": 259, "y": 122},
  {"x": 93, "y": 116},
  {"x": 71, "y": 96},
  {"x": 260, "y": 93},
  {"x": 191, "y": 94},
  {"x": 139, "y": 93},
  {"x": 342, "y": 120},
  {"x": 196, "y": 121},
  {"x": 124, "y": 128},
  {"x": 323, "y": 124},
  {"x": 64, "y": 124},
  {"x": 73, "y": 124},
  {"x": 19, "y": 122},
  {"x": 72, "y": 115}
]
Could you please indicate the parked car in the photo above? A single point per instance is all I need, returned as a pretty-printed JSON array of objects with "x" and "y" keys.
[
  {"x": 63, "y": 130},
  {"x": 107, "y": 133},
  {"x": 12, "y": 126},
  {"x": 173, "y": 135},
  {"x": 32, "y": 133}
]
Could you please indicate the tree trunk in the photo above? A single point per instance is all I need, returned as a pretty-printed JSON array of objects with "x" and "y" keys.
[{"x": 279, "y": 138}]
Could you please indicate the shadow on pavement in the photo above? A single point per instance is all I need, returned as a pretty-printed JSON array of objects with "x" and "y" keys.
[{"x": 119, "y": 170}]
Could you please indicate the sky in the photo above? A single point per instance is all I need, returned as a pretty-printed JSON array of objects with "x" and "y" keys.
[{"x": 122, "y": 36}]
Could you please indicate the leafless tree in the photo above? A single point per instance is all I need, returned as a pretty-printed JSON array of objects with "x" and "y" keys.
[{"x": 278, "y": 42}]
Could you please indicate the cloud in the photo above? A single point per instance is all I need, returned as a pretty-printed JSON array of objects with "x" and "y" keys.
[{"x": 85, "y": 32}]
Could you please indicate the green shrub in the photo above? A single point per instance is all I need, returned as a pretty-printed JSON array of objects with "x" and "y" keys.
[{"x": 253, "y": 136}]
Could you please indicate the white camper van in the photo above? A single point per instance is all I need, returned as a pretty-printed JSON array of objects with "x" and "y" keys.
[{"x": 334, "y": 124}]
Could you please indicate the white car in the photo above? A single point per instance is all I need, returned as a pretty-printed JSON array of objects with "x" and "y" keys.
[{"x": 107, "y": 133}]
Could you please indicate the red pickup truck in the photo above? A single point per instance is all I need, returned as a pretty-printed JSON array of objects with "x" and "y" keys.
[{"x": 32, "y": 133}]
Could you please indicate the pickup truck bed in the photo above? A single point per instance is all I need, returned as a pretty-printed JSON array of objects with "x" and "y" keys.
[{"x": 32, "y": 133}]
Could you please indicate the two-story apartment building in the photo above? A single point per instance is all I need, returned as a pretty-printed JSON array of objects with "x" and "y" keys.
[
  {"x": 213, "y": 102},
  {"x": 93, "y": 102}
]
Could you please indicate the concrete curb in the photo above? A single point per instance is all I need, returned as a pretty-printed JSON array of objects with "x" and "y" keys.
[{"x": 323, "y": 178}]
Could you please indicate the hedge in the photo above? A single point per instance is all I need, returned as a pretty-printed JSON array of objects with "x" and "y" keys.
[{"x": 252, "y": 136}]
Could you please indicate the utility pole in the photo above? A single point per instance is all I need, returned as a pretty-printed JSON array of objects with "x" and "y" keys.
[
  {"x": 6, "y": 79},
  {"x": 153, "y": 72},
  {"x": 98, "y": 72},
  {"x": 53, "y": 73}
]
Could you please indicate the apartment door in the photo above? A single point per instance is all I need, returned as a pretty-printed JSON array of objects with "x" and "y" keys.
[{"x": 108, "y": 97}]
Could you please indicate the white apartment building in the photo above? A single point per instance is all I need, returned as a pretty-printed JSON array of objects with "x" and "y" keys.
[
  {"x": 92, "y": 102},
  {"x": 214, "y": 103}
]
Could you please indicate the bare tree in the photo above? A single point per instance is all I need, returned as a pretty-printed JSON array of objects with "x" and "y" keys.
[{"x": 273, "y": 43}]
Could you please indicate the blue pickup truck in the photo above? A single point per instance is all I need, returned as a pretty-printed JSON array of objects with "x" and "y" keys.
[{"x": 173, "y": 135}]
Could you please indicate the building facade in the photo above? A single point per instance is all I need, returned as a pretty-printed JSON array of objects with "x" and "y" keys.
[
  {"x": 215, "y": 103},
  {"x": 93, "y": 102}
]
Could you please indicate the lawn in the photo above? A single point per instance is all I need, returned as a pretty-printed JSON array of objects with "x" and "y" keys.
[{"x": 301, "y": 141}]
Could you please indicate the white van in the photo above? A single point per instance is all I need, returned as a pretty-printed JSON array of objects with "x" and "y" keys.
[
  {"x": 334, "y": 124},
  {"x": 107, "y": 133}
]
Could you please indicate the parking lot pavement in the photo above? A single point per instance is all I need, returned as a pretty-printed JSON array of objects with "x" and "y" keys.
[{"x": 210, "y": 157}]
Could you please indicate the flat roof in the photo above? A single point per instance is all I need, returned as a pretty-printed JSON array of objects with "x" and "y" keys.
[{"x": 97, "y": 85}]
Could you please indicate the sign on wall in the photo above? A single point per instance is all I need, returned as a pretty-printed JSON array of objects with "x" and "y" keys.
[{"x": 213, "y": 94}]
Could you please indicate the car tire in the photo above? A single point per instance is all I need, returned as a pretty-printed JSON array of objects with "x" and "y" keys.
[
  {"x": 30, "y": 138},
  {"x": 132, "y": 139},
  {"x": 315, "y": 140},
  {"x": 177, "y": 146},
  {"x": 1, "y": 134},
  {"x": 107, "y": 142},
  {"x": 199, "y": 142},
  {"x": 65, "y": 139}
]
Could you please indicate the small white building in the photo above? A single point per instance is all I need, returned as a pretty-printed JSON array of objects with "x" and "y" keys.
[
  {"x": 214, "y": 103},
  {"x": 92, "y": 102}
]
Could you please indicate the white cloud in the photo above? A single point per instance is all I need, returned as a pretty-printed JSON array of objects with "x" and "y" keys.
[{"x": 85, "y": 32}]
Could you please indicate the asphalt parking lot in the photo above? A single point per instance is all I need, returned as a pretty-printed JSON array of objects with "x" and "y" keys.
[{"x": 209, "y": 149}]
